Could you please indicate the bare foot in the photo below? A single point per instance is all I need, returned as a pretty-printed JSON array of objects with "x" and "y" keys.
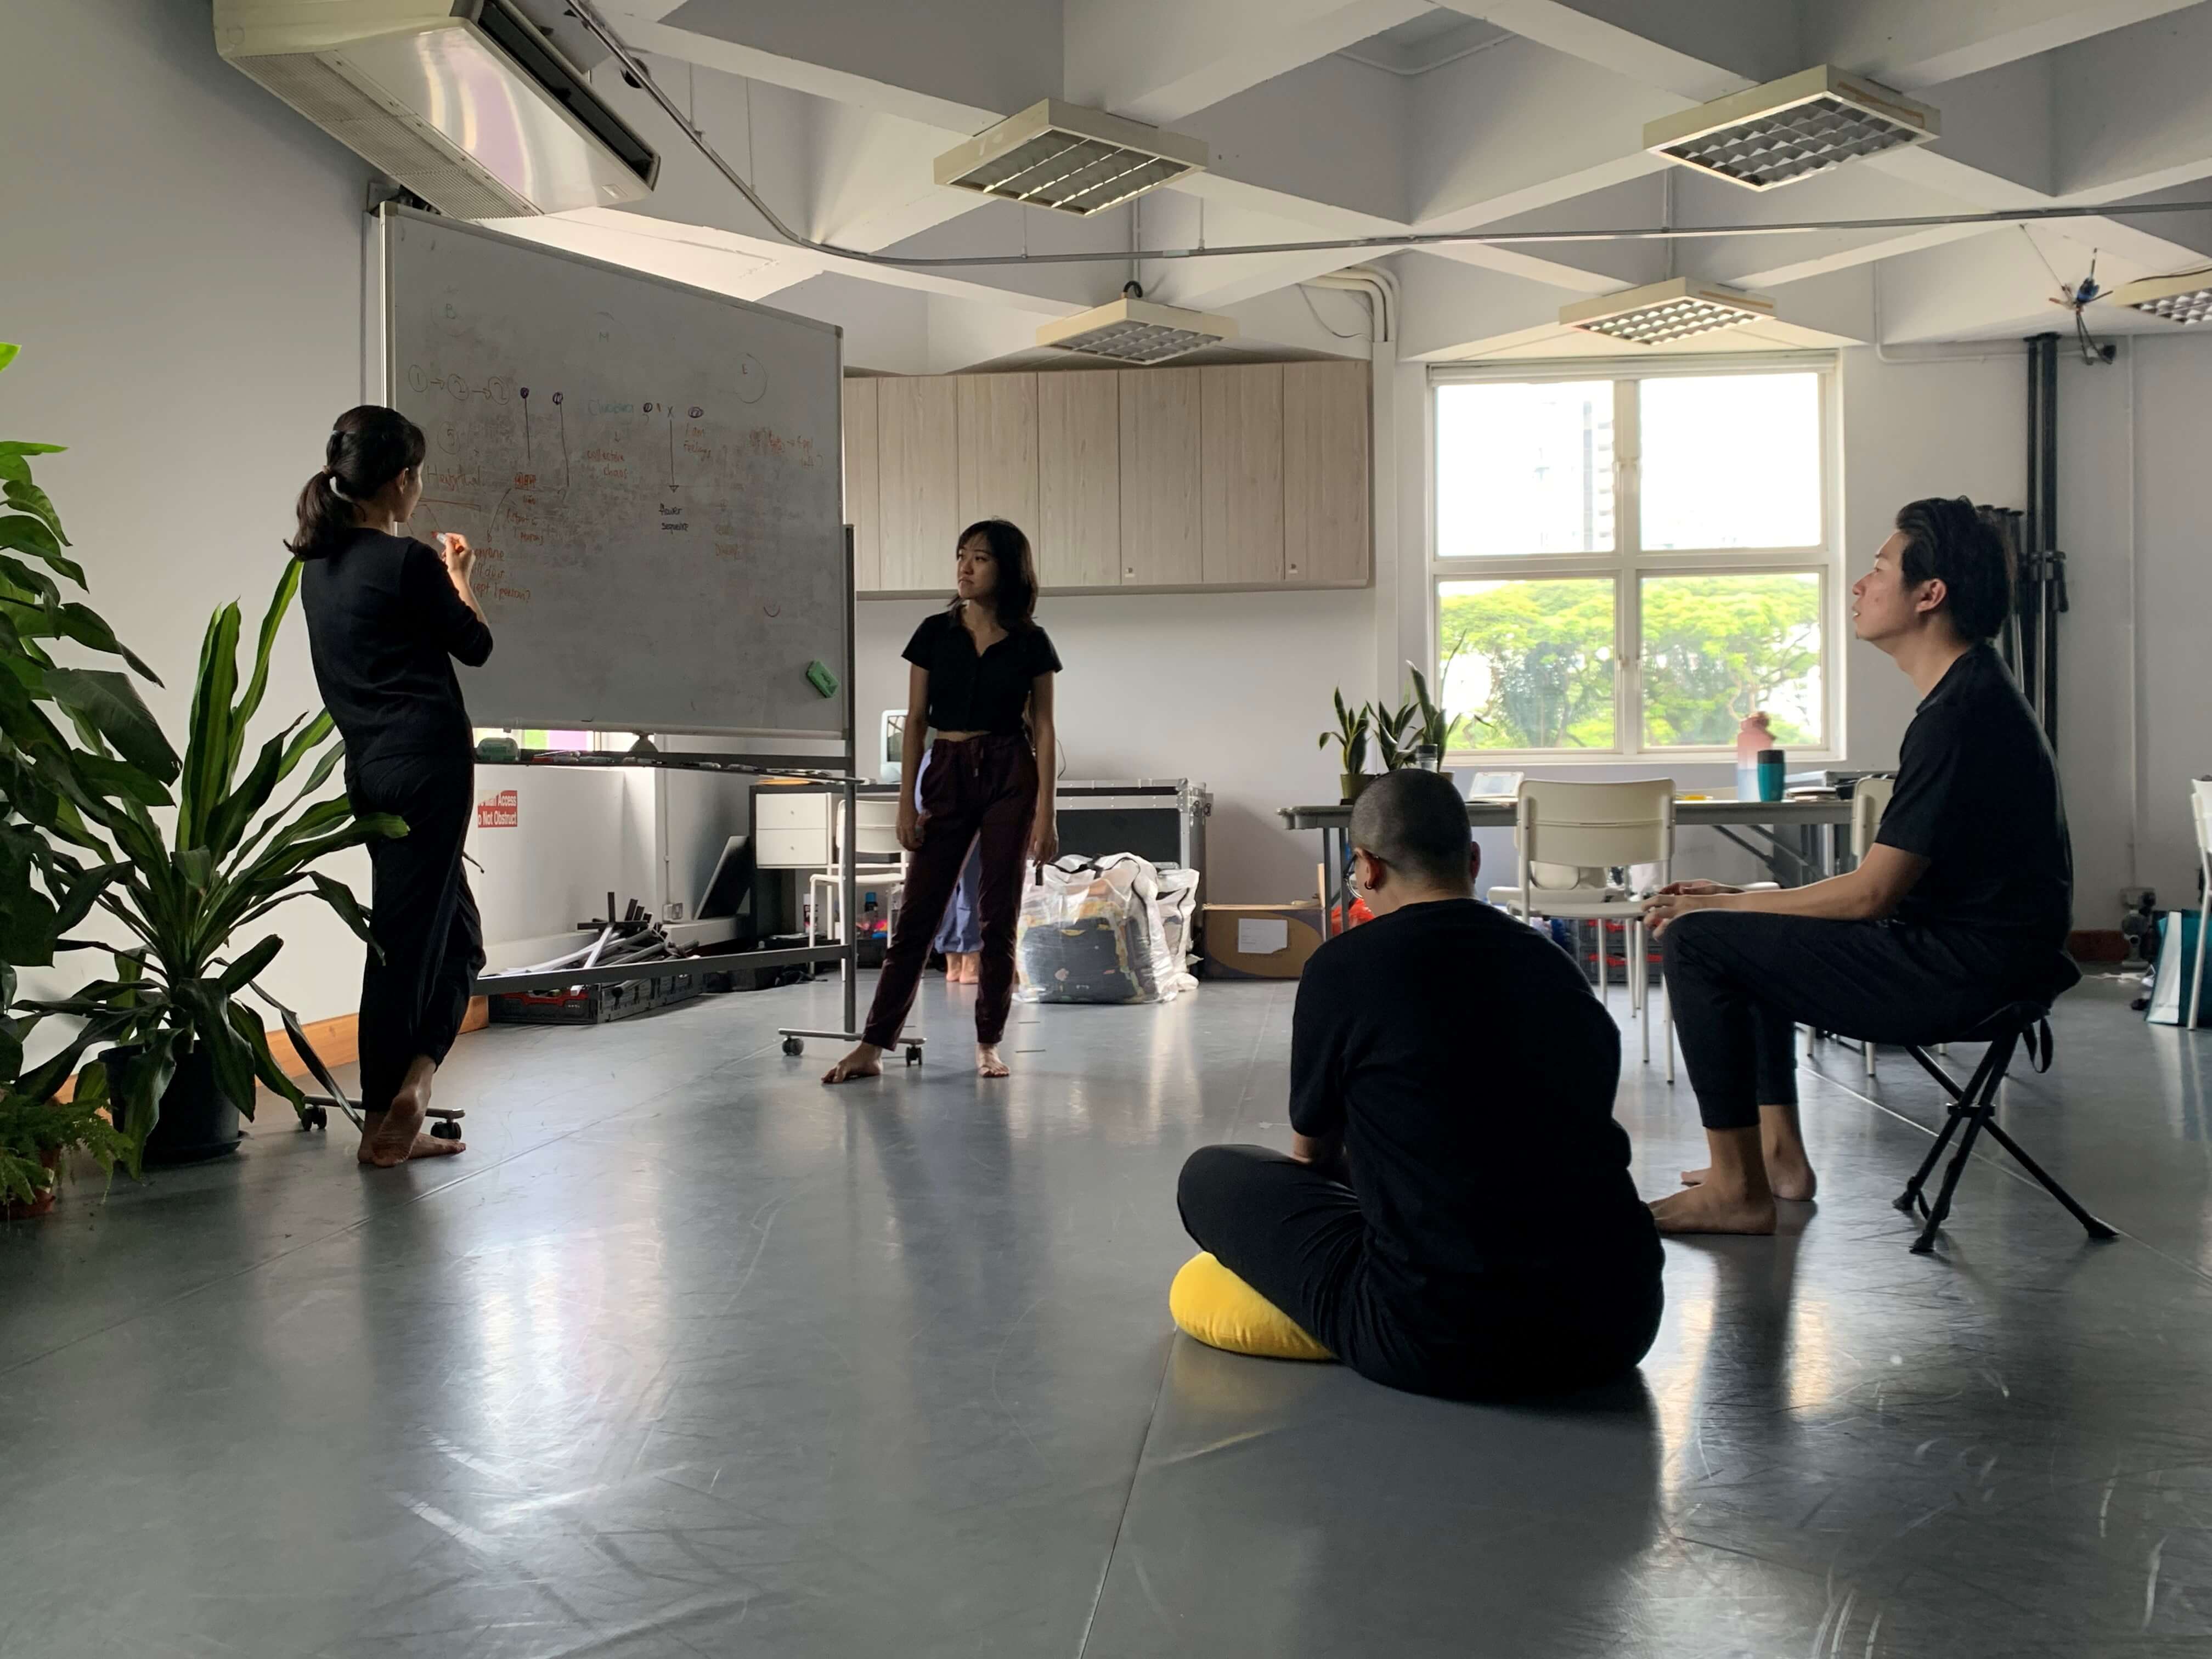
[
  {"x": 988, "y": 1063},
  {"x": 863, "y": 1061},
  {"x": 1790, "y": 1178},
  {"x": 431, "y": 1146},
  {"x": 1705, "y": 1209},
  {"x": 967, "y": 974},
  {"x": 389, "y": 1138}
]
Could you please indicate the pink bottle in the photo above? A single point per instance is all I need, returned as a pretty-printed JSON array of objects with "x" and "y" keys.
[{"x": 1754, "y": 734}]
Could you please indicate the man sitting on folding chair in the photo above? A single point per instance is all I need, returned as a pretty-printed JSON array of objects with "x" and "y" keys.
[{"x": 1959, "y": 911}]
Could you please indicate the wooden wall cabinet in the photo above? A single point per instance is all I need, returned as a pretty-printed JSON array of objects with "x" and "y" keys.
[
  {"x": 1235, "y": 476},
  {"x": 999, "y": 449},
  {"x": 1241, "y": 475},
  {"x": 918, "y": 434},
  {"x": 1327, "y": 535},
  {"x": 863, "y": 483},
  {"x": 1161, "y": 469},
  {"x": 1079, "y": 533}
]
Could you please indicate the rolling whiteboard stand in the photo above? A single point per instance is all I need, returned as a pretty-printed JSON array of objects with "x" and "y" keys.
[{"x": 651, "y": 476}]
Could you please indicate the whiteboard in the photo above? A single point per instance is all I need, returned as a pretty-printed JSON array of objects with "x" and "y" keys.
[{"x": 651, "y": 476}]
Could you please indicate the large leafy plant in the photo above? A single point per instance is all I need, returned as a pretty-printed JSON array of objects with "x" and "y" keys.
[{"x": 79, "y": 837}]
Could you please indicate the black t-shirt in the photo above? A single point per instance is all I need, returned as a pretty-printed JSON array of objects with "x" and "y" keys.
[
  {"x": 1472, "y": 1073},
  {"x": 384, "y": 625},
  {"x": 1977, "y": 797},
  {"x": 973, "y": 693}
]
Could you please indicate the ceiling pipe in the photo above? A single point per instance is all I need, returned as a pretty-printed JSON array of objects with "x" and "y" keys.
[{"x": 1380, "y": 288}]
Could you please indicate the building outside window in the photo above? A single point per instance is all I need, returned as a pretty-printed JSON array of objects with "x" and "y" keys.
[{"x": 1630, "y": 559}]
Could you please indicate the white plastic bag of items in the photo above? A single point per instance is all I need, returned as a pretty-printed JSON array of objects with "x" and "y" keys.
[{"x": 1114, "y": 929}]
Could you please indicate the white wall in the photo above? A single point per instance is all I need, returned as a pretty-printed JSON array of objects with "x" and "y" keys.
[
  {"x": 182, "y": 265},
  {"x": 2131, "y": 519},
  {"x": 1228, "y": 690},
  {"x": 2133, "y": 694}
]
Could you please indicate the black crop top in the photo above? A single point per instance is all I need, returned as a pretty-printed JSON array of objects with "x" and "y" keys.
[{"x": 972, "y": 693}]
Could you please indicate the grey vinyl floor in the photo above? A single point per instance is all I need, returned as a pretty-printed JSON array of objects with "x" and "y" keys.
[{"x": 689, "y": 1355}]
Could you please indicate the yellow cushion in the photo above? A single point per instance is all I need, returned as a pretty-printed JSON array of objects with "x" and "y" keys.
[{"x": 1212, "y": 1304}]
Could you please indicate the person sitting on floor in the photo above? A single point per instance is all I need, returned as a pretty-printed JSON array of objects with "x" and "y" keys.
[
  {"x": 1456, "y": 1216},
  {"x": 1960, "y": 906}
]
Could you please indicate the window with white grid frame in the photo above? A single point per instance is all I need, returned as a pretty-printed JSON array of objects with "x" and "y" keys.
[{"x": 1630, "y": 559}]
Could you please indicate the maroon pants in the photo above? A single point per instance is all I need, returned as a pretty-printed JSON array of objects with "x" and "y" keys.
[{"x": 982, "y": 790}]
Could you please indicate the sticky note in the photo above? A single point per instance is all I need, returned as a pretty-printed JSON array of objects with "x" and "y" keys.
[
  {"x": 1261, "y": 936},
  {"x": 819, "y": 676}
]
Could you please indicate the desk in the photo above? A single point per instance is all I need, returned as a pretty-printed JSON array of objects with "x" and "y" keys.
[
  {"x": 1726, "y": 815},
  {"x": 1162, "y": 819}
]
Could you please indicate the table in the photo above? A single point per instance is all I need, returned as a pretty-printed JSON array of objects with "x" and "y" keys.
[{"x": 1764, "y": 816}]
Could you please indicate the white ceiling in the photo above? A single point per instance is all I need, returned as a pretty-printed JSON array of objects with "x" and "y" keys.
[{"x": 1332, "y": 118}]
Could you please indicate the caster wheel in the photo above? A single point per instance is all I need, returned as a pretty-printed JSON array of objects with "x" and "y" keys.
[
  {"x": 314, "y": 1118},
  {"x": 914, "y": 1053},
  {"x": 794, "y": 1046},
  {"x": 445, "y": 1130}
]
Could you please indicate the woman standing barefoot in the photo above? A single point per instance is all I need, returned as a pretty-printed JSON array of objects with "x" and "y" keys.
[
  {"x": 386, "y": 617},
  {"x": 979, "y": 667}
]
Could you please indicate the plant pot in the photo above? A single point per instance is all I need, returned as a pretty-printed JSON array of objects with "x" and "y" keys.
[
  {"x": 1351, "y": 784},
  {"x": 199, "y": 1120},
  {"x": 12, "y": 1211}
]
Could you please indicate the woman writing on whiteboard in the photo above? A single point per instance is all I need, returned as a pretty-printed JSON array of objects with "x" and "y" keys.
[
  {"x": 386, "y": 617},
  {"x": 981, "y": 679}
]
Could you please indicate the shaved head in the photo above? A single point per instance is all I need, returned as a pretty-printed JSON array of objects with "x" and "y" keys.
[{"x": 1416, "y": 822}]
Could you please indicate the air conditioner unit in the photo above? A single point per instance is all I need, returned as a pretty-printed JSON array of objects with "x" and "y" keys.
[{"x": 466, "y": 103}]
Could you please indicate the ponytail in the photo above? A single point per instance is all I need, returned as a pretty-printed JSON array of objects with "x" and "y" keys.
[{"x": 367, "y": 448}]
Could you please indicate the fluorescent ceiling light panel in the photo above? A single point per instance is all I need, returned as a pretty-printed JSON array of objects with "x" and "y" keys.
[
  {"x": 2185, "y": 299},
  {"x": 1665, "y": 311},
  {"x": 1078, "y": 160},
  {"x": 1137, "y": 331},
  {"x": 1792, "y": 128}
]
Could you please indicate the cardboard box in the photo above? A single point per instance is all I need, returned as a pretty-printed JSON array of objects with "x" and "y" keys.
[{"x": 1260, "y": 941}]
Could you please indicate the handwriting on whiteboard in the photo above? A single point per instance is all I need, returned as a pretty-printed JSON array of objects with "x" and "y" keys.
[{"x": 551, "y": 483}]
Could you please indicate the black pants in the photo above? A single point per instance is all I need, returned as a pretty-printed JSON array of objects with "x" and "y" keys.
[
  {"x": 415, "y": 987},
  {"x": 980, "y": 793},
  {"x": 1296, "y": 1236},
  {"x": 1740, "y": 980}
]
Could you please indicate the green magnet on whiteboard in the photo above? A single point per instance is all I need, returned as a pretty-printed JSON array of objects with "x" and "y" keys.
[{"x": 819, "y": 676}]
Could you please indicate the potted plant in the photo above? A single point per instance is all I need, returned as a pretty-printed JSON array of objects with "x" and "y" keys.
[
  {"x": 1351, "y": 736},
  {"x": 36, "y": 1136},
  {"x": 177, "y": 1051},
  {"x": 1394, "y": 732},
  {"x": 184, "y": 1051},
  {"x": 1431, "y": 727},
  {"x": 42, "y": 778}
]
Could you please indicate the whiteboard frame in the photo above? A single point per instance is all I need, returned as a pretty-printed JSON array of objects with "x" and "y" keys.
[{"x": 806, "y": 747}]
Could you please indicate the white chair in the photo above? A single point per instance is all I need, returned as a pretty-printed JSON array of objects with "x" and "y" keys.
[
  {"x": 2200, "y": 797},
  {"x": 877, "y": 857},
  {"x": 1567, "y": 836}
]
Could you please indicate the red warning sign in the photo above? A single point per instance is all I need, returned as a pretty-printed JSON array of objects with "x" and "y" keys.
[{"x": 501, "y": 811}]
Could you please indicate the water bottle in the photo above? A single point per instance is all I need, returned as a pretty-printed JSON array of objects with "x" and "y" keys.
[
  {"x": 1772, "y": 771},
  {"x": 1752, "y": 737}
]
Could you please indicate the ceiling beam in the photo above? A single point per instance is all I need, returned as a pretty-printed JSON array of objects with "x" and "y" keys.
[
  {"x": 2135, "y": 107},
  {"x": 1696, "y": 51},
  {"x": 1912, "y": 44},
  {"x": 1162, "y": 61},
  {"x": 945, "y": 63}
]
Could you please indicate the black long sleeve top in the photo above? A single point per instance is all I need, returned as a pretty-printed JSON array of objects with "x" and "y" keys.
[{"x": 385, "y": 627}]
